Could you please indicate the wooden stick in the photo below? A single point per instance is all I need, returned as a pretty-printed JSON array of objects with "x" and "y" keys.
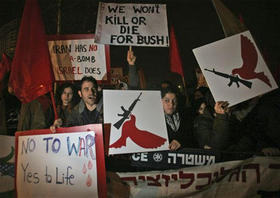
[{"x": 54, "y": 106}]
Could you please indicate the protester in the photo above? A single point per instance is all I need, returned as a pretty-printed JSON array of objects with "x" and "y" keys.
[
  {"x": 165, "y": 84},
  {"x": 90, "y": 108},
  {"x": 12, "y": 106},
  {"x": 66, "y": 99},
  {"x": 201, "y": 81},
  {"x": 212, "y": 126},
  {"x": 33, "y": 115},
  {"x": 121, "y": 85},
  {"x": 178, "y": 126},
  {"x": 200, "y": 92}
]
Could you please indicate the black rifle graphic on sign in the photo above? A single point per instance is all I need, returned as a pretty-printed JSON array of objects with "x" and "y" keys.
[
  {"x": 233, "y": 79},
  {"x": 126, "y": 113}
]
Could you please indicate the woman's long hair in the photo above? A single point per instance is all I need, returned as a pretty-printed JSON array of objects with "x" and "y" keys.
[{"x": 73, "y": 102}]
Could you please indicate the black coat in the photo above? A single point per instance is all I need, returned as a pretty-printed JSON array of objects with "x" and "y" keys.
[
  {"x": 184, "y": 135},
  {"x": 213, "y": 131},
  {"x": 261, "y": 127}
]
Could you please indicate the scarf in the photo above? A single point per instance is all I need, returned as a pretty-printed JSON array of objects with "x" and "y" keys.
[{"x": 173, "y": 121}]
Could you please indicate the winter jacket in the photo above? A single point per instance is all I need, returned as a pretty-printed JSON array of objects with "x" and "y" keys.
[
  {"x": 261, "y": 127},
  {"x": 213, "y": 131},
  {"x": 184, "y": 134},
  {"x": 81, "y": 116}
]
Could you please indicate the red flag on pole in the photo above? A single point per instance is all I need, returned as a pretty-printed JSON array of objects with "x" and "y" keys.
[
  {"x": 31, "y": 75},
  {"x": 175, "y": 59},
  {"x": 5, "y": 67}
]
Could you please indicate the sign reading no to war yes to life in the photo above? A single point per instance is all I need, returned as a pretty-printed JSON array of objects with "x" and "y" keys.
[
  {"x": 72, "y": 59},
  {"x": 137, "y": 121},
  {"x": 234, "y": 69},
  {"x": 132, "y": 24},
  {"x": 57, "y": 165}
]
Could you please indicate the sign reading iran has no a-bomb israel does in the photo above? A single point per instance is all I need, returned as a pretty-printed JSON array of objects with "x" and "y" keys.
[
  {"x": 132, "y": 25},
  {"x": 73, "y": 56}
]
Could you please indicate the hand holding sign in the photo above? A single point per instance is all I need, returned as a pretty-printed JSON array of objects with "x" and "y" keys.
[{"x": 221, "y": 107}]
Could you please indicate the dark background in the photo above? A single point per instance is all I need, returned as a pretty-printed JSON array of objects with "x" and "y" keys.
[{"x": 195, "y": 22}]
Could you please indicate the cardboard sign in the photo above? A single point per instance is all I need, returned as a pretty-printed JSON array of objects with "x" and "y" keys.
[
  {"x": 235, "y": 69},
  {"x": 137, "y": 121},
  {"x": 61, "y": 164},
  {"x": 132, "y": 24},
  {"x": 74, "y": 56},
  {"x": 7, "y": 163}
]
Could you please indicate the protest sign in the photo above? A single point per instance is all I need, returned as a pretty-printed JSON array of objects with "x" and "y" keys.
[
  {"x": 7, "y": 163},
  {"x": 253, "y": 177},
  {"x": 132, "y": 24},
  {"x": 69, "y": 163},
  {"x": 137, "y": 121},
  {"x": 164, "y": 160},
  {"x": 74, "y": 56},
  {"x": 234, "y": 69}
]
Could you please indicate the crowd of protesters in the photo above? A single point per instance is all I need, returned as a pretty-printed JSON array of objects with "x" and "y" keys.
[{"x": 252, "y": 126}]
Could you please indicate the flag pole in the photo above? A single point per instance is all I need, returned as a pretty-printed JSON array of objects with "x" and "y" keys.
[
  {"x": 58, "y": 30},
  {"x": 54, "y": 106},
  {"x": 58, "y": 25}
]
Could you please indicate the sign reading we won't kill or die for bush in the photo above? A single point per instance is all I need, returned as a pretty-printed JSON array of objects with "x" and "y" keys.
[
  {"x": 57, "y": 165},
  {"x": 132, "y": 24},
  {"x": 74, "y": 56}
]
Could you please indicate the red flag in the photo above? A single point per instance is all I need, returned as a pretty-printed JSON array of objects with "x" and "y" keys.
[
  {"x": 31, "y": 75},
  {"x": 5, "y": 67},
  {"x": 175, "y": 59}
]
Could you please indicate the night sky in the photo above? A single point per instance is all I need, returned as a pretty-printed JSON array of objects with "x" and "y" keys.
[{"x": 195, "y": 22}]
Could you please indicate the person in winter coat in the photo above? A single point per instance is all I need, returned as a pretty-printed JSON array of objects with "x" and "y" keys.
[
  {"x": 66, "y": 99},
  {"x": 212, "y": 126},
  {"x": 178, "y": 126}
]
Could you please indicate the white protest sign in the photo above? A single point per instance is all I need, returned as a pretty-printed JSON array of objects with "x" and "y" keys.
[
  {"x": 137, "y": 121},
  {"x": 7, "y": 163},
  {"x": 57, "y": 165},
  {"x": 235, "y": 69},
  {"x": 255, "y": 177},
  {"x": 73, "y": 58},
  {"x": 132, "y": 24}
]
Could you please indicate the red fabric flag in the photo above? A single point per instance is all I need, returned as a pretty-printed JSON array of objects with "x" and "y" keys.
[
  {"x": 31, "y": 75},
  {"x": 5, "y": 67},
  {"x": 175, "y": 59}
]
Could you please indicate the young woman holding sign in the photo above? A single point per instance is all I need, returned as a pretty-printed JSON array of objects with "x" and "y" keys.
[{"x": 67, "y": 98}]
